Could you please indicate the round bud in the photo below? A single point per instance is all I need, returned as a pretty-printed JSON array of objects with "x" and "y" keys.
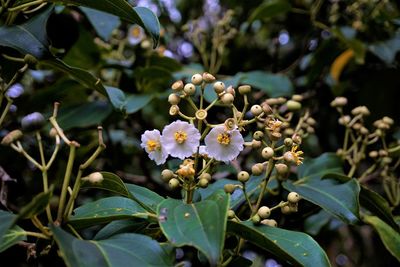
[
  {"x": 339, "y": 102},
  {"x": 288, "y": 142},
  {"x": 293, "y": 197},
  {"x": 256, "y": 110},
  {"x": 364, "y": 131},
  {"x": 281, "y": 168},
  {"x": 231, "y": 214},
  {"x": 285, "y": 209},
  {"x": 208, "y": 78},
  {"x": 297, "y": 139},
  {"x": 270, "y": 222},
  {"x": 361, "y": 110},
  {"x": 94, "y": 178},
  {"x": 256, "y": 219},
  {"x": 219, "y": 87},
  {"x": 288, "y": 157},
  {"x": 386, "y": 160},
  {"x": 258, "y": 135},
  {"x": 205, "y": 175},
  {"x": 174, "y": 99},
  {"x": 311, "y": 121},
  {"x": 203, "y": 183},
  {"x": 266, "y": 108},
  {"x": 231, "y": 90},
  {"x": 244, "y": 89},
  {"x": 189, "y": 89},
  {"x": 382, "y": 153},
  {"x": 310, "y": 130},
  {"x": 257, "y": 169},
  {"x": 243, "y": 176},
  {"x": 264, "y": 212},
  {"x": 281, "y": 100},
  {"x": 373, "y": 154},
  {"x": 167, "y": 175},
  {"x": 267, "y": 152},
  {"x": 388, "y": 120},
  {"x": 357, "y": 126},
  {"x": 227, "y": 98},
  {"x": 229, "y": 188},
  {"x": 174, "y": 110},
  {"x": 293, "y": 105},
  {"x": 33, "y": 121},
  {"x": 177, "y": 86},
  {"x": 197, "y": 79},
  {"x": 344, "y": 120},
  {"x": 173, "y": 183},
  {"x": 288, "y": 131},
  {"x": 297, "y": 98},
  {"x": 30, "y": 60},
  {"x": 53, "y": 132},
  {"x": 11, "y": 137},
  {"x": 256, "y": 144}
]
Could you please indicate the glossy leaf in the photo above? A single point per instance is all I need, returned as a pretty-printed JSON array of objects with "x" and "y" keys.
[
  {"x": 201, "y": 225},
  {"x": 387, "y": 50},
  {"x": 7, "y": 220},
  {"x": 296, "y": 248},
  {"x": 314, "y": 223},
  {"x": 118, "y": 251},
  {"x": 139, "y": 15},
  {"x": 28, "y": 38},
  {"x": 136, "y": 102},
  {"x": 389, "y": 237},
  {"x": 106, "y": 210},
  {"x": 83, "y": 115},
  {"x": 269, "y": 9},
  {"x": 111, "y": 182},
  {"x": 145, "y": 197},
  {"x": 119, "y": 227},
  {"x": 117, "y": 98},
  {"x": 104, "y": 23},
  {"x": 12, "y": 237},
  {"x": 339, "y": 199},
  {"x": 36, "y": 206}
]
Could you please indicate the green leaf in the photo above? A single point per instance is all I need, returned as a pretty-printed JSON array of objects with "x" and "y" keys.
[
  {"x": 12, "y": 237},
  {"x": 104, "y": 23},
  {"x": 386, "y": 50},
  {"x": 389, "y": 237},
  {"x": 106, "y": 210},
  {"x": 120, "y": 226},
  {"x": 316, "y": 186},
  {"x": 314, "y": 223},
  {"x": 201, "y": 225},
  {"x": 137, "y": 102},
  {"x": 139, "y": 15},
  {"x": 296, "y": 248},
  {"x": 118, "y": 251},
  {"x": 145, "y": 197},
  {"x": 36, "y": 206},
  {"x": 83, "y": 115},
  {"x": 269, "y": 9},
  {"x": 117, "y": 98},
  {"x": 7, "y": 220},
  {"x": 30, "y": 37},
  {"x": 111, "y": 182}
]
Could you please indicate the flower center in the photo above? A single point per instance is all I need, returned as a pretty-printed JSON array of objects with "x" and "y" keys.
[
  {"x": 135, "y": 32},
  {"x": 153, "y": 145},
  {"x": 224, "y": 138},
  {"x": 180, "y": 137}
]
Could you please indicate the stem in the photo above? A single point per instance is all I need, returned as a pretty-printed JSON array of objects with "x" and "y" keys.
[
  {"x": 67, "y": 178},
  {"x": 247, "y": 197},
  {"x": 23, "y": 6},
  {"x": 38, "y": 235},
  {"x": 21, "y": 150},
  {"x": 5, "y": 111}
]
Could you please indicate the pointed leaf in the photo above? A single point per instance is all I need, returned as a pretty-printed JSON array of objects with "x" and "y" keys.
[
  {"x": 118, "y": 251},
  {"x": 106, "y": 210},
  {"x": 111, "y": 182},
  {"x": 104, "y": 23},
  {"x": 201, "y": 225},
  {"x": 137, "y": 102},
  {"x": 117, "y": 98},
  {"x": 12, "y": 237},
  {"x": 389, "y": 237},
  {"x": 36, "y": 206},
  {"x": 145, "y": 197},
  {"x": 119, "y": 227},
  {"x": 270, "y": 9},
  {"x": 296, "y": 248},
  {"x": 139, "y": 15},
  {"x": 28, "y": 38}
]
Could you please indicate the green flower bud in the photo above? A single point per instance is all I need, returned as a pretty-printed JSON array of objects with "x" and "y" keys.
[
  {"x": 231, "y": 214},
  {"x": 264, "y": 212},
  {"x": 167, "y": 175},
  {"x": 256, "y": 110},
  {"x": 173, "y": 183},
  {"x": 244, "y": 89},
  {"x": 270, "y": 222},
  {"x": 256, "y": 219},
  {"x": 267, "y": 152},
  {"x": 243, "y": 176},
  {"x": 203, "y": 183},
  {"x": 174, "y": 99},
  {"x": 293, "y": 105},
  {"x": 258, "y": 135},
  {"x": 293, "y": 197},
  {"x": 227, "y": 98},
  {"x": 189, "y": 89},
  {"x": 11, "y": 137},
  {"x": 229, "y": 188},
  {"x": 206, "y": 176},
  {"x": 197, "y": 79},
  {"x": 257, "y": 169},
  {"x": 219, "y": 87}
]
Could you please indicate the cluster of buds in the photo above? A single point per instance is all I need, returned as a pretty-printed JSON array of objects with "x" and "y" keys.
[{"x": 356, "y": 147}]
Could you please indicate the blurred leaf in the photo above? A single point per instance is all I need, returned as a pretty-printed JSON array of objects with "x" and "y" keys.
[
  {"x": 269, "y": 9},
  {"x": 83, "y": 115},
  {"x": 119, "y": 227},
  {"x": 340, "y": 62},
  {"x": 36, "y": 206},
  {"x": 296, "y": 248},
  {"x": 30, "y": 37},
  {"x": 187, "y": 71},
  {"x": 314, "y": 223},
  {"x": 347, "y": 36},
  {"x": 105, "y": 210},
  {"x": 82, "y": 76},
  {"x": 153, "y": 78},
  {"x": 104, "y": 23},
  {"x": 145, "y": 197},
  {"x": 135, "y": 103},
  {"x": 117, "y": 98},
  {"x": 118, "y": 251},
  {"x": 200, "y": 224},
  {"x": 386, "y": 50},
  {"x": 7, "y": 220},
  {"x": 240, "y": 261},
  {"x": 139, "y": 15},
  {"x": 12, "y": 237},
  {"x": 389, "y": 237},
  {"x": 316, "y": 186},
  {"x": 111, "y": 182},
  {"x": 166, "y": 63}
]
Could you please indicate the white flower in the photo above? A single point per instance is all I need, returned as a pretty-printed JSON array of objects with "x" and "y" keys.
[
  {"x": 151, "y": 143},
  {"x": 180, "y": 139},
  {"x": 135, "y": 34},
  {"x": 224, "y": 145}
]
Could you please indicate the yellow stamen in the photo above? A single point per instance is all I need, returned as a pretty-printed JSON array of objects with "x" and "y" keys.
[
  {"x": 296, "y": 155},
  {"x": 153, "y": 145},
  {"x": 135, "y": 32},
  {"x": 224, "y": 138},
  {"x": 180, "y": 137}
]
